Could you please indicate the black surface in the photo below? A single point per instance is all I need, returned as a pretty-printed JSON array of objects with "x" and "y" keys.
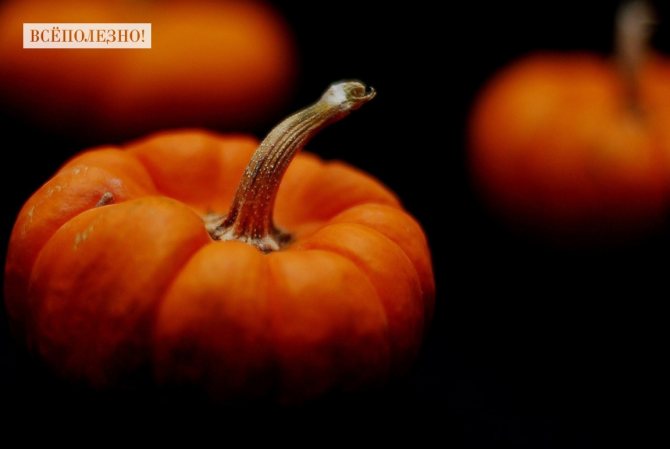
[{"x": 532, "y": 345}]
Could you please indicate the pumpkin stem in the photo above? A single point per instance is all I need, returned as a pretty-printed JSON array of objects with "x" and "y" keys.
[
  {"x": 250, "y": 217},
  {"x": 633, "y": 30}
]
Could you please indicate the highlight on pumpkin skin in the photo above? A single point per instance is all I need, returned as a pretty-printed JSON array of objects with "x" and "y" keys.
[{"x": 250, "y": 217}]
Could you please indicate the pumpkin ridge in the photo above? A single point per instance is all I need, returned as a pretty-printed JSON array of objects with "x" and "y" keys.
[
  {"x": 376, "y": 191},
  {"x": 338, "y": 382},
  {"x": 342, "y": 218},
  {"x": 377, "y": 298},
  {"x": 148, "y": 318},
  {"x": 174, "y": 358},
  {"x": 376, "y": 231},
  {"x": 89, "y": 159},
  {"x": 18, "y": 286},
  {"x": 103, "y": 200},
  {"x": 204, "y": 169},
  {"x": 367, "y": 271}
]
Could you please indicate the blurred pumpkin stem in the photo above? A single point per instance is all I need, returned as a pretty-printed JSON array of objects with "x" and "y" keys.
[
  {"x": 250, "y": 217},
  {"x": 634, "y": 23}
]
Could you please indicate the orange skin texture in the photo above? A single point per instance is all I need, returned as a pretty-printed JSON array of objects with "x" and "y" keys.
[
  {"x": 104, "y": 292},
  {"x": 556, "y": 144},
  {"x": 212, "y": 63}
]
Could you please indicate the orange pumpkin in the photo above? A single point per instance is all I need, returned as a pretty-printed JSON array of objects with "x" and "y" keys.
[
  {"x": 212, "y": 63},
  {"x": 577, "y": 144},
  {"x": 148, "y": 258}
]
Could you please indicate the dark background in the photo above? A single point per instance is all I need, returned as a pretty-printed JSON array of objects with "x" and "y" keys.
[{"x": 533, "y": 344}]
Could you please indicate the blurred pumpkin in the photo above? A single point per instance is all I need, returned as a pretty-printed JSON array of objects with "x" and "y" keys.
[
  {"x": 148, "y": 258},
  {"x": 576, "y": 144},
  {"x": 212, "y": 63}
]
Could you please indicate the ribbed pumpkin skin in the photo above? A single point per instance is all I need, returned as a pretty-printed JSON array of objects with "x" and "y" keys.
[{"x": 105, "y": 291}]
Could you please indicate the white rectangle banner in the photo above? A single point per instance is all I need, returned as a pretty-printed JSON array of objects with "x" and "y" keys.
[{"x": 87, "y": 35}]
